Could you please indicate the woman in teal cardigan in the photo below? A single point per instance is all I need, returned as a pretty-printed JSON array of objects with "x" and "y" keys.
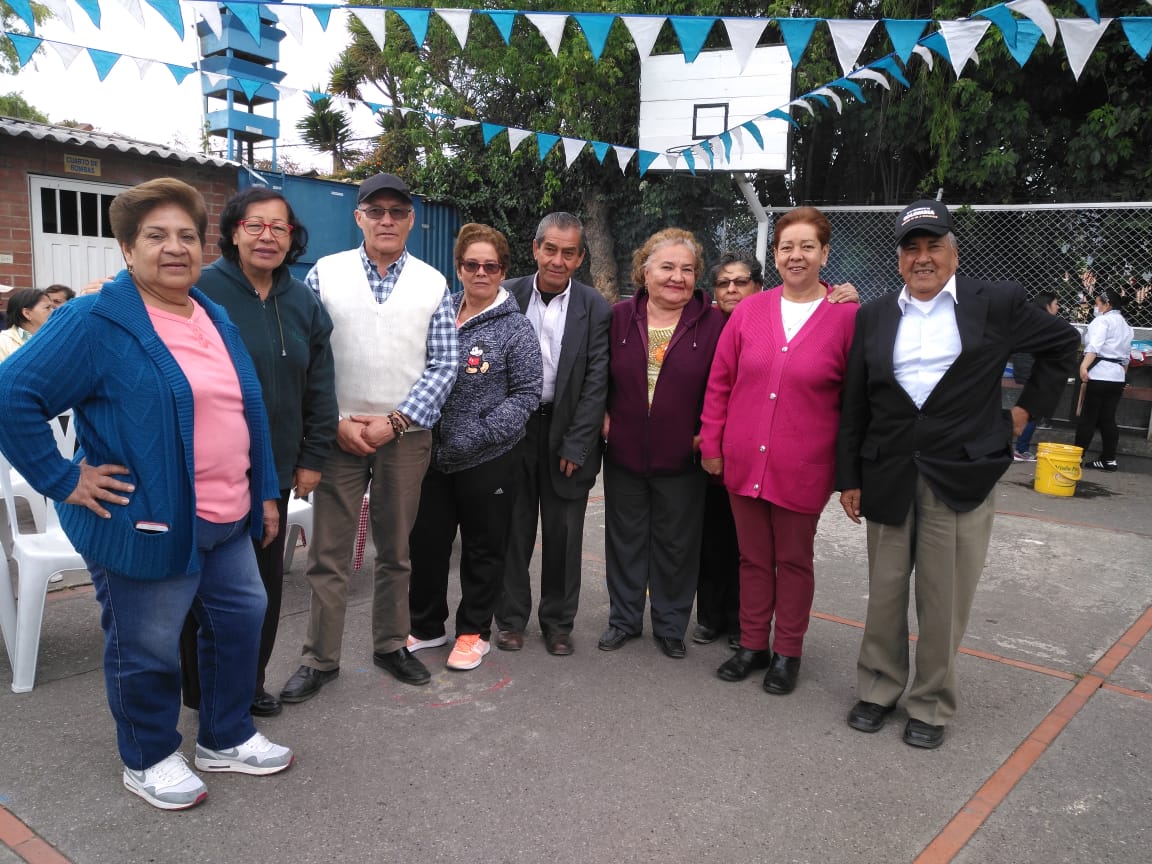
[{"x": 173, "y": 475}]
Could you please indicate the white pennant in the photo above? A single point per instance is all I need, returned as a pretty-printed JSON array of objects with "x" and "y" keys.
[
  {"x": 962, "y": 37},
  {"x": 291, "y": 18},
  {"x": 849, "y": 38},
  {"x": 214, "y": 79},
  {"x": 61, "y": 12},
  {"x": 925, "y": 54},
  {"x": 1080, "y": 38},
  {"x": 459, "y": 20},
  {"x": 572, "y": 148},
  {"x": 551, "y": 27},
  {"x": 1038, "y": 13},
  {"x": 143, "y": 65},
  {"x": 516, "y": 137},
  {"x": 67, "y": 52},
  {"x": 744, "y": 34},
  {"x": 132, "y": 7},
  {"x": 624, "y": 155},
  {"x": 210, "y": 12},
  {"x": 461, "y": 123},
  {"x": 738, "y": 140},
  {"x": 373, "y": 21},
  {"x": 831, "y": 94},
  {"x": 805, "y": 105},
  {"x": 644, "y": 30},
  {"x": 285, "y": 92},
  {"x": 872, "y": 75}
]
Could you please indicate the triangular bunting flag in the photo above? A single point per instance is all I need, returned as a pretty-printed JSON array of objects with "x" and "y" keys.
[
  {"x": 782, "y": 115},
  {"x": 851, "y": 86},
  {"x": 490, "y": 131},
  {"x": 290, "y": 18},
  {"x": 752, "y": 129},
  {"x": 744, "y": 35},
  {"x": 25, "y": 46},
  {"x": 285, "y": 92},
  {"x": 572, "y": 149},
  {"x": 830, "y": 94},
  {"x": 1005, "y": 22},
  {"x": 516, "y": 137},
  {"x": 601, "y": 148},
  {"x": 904, "y": 36},
  {"x": 797, "y": 33},
  {"x": 872, "y": 75},
  {"x": 417, "y": 21},
  {"x": 551, "y": 27},
  {"x": 315, "y": 96},
  {"x": 643, "y": 161},
  {"x": 596, "y": 29},
  {"x": 545, "y": 142},
  {"x": 249, "y": 87},
  {"x": 461, "y": 123},
  {"x": 644, "y": 29},
  {"x": 925, "y": 54},
  {"x": 179, "y": 72},
  {"x": 210, "y": 12},
  {"x": 936, "y": 42},
  {"x": 132, "y": 7},
  {"x": 726, "y": 140},
  {"x": 459, "y": 20},
  {"x": 323, "y": 15},
  {"x": 803, "y": 103},
  {"x": 624, "y": 156},
  {"x": 1139, "y": 33},
  {"x": 962, "y": 38},
  {"x": 503, "y": 19},
  {"x": 1027, "y": 37},
  {"x": 849, "y": 37},
  {"x": 215, "y": 79},
  {"x": 142, "y": 65},
  {"x": 373, "y": 21},
  {"x": 92, "y": 7},
  {"x": 706, "y": 146},
  {"x": 1092, "y": 8},
  {"x": 248, "y": 15},
  {"x": 61, "y": 12},
  {"x": 103, "y": 61},
  {"x": 1080, "y": 38},
  {"x": 692, "y": 33},
  {"x": 1038, "y": 12},
  {"x": 689, "y": 160}
]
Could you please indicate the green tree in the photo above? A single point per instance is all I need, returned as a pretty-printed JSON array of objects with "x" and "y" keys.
[
  {"x": 328, "y": 130},
  {"x": 15, "y": 105},
  {"x": 9, "y": 61}
]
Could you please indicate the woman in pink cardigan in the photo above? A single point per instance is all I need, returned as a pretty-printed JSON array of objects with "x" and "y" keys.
[{"x": 769, "y": 424}]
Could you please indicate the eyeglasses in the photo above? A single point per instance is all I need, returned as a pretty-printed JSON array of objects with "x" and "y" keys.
[
  {"x": 256, "y": 227},
  {"x": 489, "y": 267},
  {"x": 739, "y": 282},
  {"x": 398, "y": 214}
]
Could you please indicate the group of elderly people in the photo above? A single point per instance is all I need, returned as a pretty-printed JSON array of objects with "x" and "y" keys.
[{"x": 204, "y": 398}]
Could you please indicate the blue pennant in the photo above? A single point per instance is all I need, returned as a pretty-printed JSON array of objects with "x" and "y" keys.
[
  {"x": 170, "y": 11},
  {"x": 1027, "y": 37},
  {"x": 25, "y": 46},
  {"x": 644, "y": 160},
  {"x": 545, "y": 142},
  {"x": 726, "y": 140},
  {"x": 103, "y": 61},
  {"x": 706, "y": 146},
  {"x": 904, "y": 36},
  {"x": 601, "y": 148},
  {"x": 1139, "y": 33},
  {"x": 754, "y": 131},
  {"x": 939, "y": 44},
  {"x": 23, "y": 10},
  {"x": 323, "y": 15},
  {"x": 782, "y": 115},
  {"x": 374, "y": 107},
  {"x": 179, "y": 72},
  {"x": 503, "y": 19},
  {"x": 851, "y": 86},
  {"x": 889, "y": 65},
  {"x": 417, "y": 21},
  {"x": 818, "y": 97},
  {"x": 92, "y": 7},
  {"x": 247, "y": 14},
  {"x": 314, "y": 96},
  {"x": 1004, "y": 20},
  {"x": 797, "y": 32},
  {"x": 249, "y": 86},
  {"x": 596, "y": 28},
  {"x": 690, "y": 161},
  {"x": 490, "y": 131},
  {"x": 1092, "y": 8},
  {"x": 692, "y": 32}
]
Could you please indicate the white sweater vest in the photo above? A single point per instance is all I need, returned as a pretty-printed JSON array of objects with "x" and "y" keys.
[{"x": 380, "y": 349}]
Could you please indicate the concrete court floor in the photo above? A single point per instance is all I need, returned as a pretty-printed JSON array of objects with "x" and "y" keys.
[{"x": 632, "y": 757}]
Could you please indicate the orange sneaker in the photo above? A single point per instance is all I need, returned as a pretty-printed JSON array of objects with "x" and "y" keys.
[{"x": 468, "y": 651}]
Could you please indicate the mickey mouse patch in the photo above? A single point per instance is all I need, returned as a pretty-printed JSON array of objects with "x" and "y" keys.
[{"x": 475, "y": 363}]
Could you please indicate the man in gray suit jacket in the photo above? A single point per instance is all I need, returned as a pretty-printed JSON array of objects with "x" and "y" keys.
[{"x": 562, "y": 443}]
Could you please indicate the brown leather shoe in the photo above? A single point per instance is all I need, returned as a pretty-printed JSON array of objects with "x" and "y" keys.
[
  {"x": 559, "y": 644},
  {"x": 509, "y": 640}
]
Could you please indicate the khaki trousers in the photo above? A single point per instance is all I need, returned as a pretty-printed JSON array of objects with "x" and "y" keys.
[
  {"x": 393, "y": 475},
  {"x": 946, "y": 550}
]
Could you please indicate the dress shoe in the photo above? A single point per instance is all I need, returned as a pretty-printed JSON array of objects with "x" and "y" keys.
[
  {"x": 672, "y": 647},
  {"x": 559, "y": 644},
  {"x": 265, "y": 705},
  {"x": 734, "y": 641},
  {"x": 403, "y": 666},
  {"x": 703, "y": 635},
  {"x": 740, "y": 665},
  {"x": 613, "y": 638},
  {"x": 306, "y": 683},
  {"x": 917, "y": 733},
  {"x": 868, "y": 716},
  {"x": 509, "y": 640},
  {"x": 782, "y": 674}
]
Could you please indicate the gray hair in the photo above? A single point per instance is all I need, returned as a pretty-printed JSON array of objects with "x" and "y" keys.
[
  {"x": 561, "y": 221},
  {"x": 950, "y": 237}
]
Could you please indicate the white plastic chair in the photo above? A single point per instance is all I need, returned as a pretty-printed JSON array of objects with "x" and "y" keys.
[
  {"x": 38, "y": 557},
  {"x": 299, "y": 527},
  {"x": 21, "y": 488}
]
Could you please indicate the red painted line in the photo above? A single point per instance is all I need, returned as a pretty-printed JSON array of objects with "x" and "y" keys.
[
  {"x": 1137, "y": 694},
  {"x": 18, "y": 837}
]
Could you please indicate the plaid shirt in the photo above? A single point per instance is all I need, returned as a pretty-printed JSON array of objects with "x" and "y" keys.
[{"x": 424, "y": 400}]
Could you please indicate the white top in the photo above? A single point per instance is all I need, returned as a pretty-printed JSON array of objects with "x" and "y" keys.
[
  {"x": 548, "y": 320},
  {"x": 927, "y": 341},
  {"x": 1109, "y": 335},
  {"x": 795, "y": 315}
]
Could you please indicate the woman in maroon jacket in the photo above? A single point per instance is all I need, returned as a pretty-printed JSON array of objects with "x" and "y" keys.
[{"x": 662, "y": 342}]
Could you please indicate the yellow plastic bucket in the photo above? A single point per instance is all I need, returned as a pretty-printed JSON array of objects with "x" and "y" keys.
[{"x": 1057, "y": 469}]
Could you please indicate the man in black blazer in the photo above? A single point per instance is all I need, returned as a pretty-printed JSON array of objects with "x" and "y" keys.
[
  {"x": 562, "y": 441},
  {"x": 923, "y": 440}
]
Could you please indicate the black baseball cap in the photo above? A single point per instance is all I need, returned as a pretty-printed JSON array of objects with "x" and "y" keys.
[
  {"x": 383, "y": 183},
  {"x": 926, "y": 215}
]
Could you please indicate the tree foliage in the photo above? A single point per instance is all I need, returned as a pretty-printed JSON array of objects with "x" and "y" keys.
[
  {"x": 328, "y": 130},
  {"x": 15, "y": 105}
]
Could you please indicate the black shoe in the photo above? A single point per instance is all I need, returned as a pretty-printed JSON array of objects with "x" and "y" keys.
[
  {"x": 306, "y": 683},
  {"x": 782, "y": 674},
  {"x": 613, "y": 638},
  {"x": 917, "y": 733},
  {"x": 559, "y": 644},
  {"x": 1102, "y": 465},
  {"x": 868, "y": 716},
  {"x": 403, "y": 666},
  {"x": 734, "y": 641},
  {"x": 266, "y": 705},
  {"x": 703, "y": 635},
  {"x": 740, "y": 665},
  {"x": 672, "y": 647}
]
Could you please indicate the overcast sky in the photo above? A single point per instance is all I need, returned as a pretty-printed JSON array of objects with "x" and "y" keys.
[{"x": 154, "y": 108}]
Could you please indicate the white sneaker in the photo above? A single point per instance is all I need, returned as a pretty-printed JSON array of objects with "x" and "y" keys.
[
  {"x": 1023, "y": 456},
  {"x": 415, "y": 644},
  {"x": 169, "y": 784},
  {"x": 257, "y": 755},
  {"x": 468, "y": 651}
]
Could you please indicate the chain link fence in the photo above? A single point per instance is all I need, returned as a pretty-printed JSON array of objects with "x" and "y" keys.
[{"x": 1073, "y": 250}]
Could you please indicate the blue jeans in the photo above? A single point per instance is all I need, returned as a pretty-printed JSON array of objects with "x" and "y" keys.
[
  {"x": 1025, "y": 439},
  {"x": 142, "y": 621}
]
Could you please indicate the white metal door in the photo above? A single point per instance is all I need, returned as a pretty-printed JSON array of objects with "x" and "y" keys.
[{"x": 72, "y": 242}]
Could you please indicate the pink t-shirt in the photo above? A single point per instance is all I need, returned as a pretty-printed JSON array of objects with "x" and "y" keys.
[{"x": 220, "y": 431}]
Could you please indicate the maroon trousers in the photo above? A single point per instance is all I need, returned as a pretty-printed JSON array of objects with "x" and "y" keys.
[{"x": 776, "y": 574}]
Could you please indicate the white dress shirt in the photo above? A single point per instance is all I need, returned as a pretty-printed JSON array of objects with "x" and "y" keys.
[
  {"x": 1109, "y": 335},
  {"x": 927, "y": 341},
  {"x": 548, "y": 320}
]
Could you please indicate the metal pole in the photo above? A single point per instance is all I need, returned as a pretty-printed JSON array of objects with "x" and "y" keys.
[{"x": 758, "y": 211}]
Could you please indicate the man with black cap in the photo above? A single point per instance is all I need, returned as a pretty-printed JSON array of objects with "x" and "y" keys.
[
  {"x": 923, "y": 440},
  {"x": 394, "y": 347}
]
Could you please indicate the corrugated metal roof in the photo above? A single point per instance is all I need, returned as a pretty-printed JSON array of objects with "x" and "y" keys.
[{"x": 102, "y": 141}]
